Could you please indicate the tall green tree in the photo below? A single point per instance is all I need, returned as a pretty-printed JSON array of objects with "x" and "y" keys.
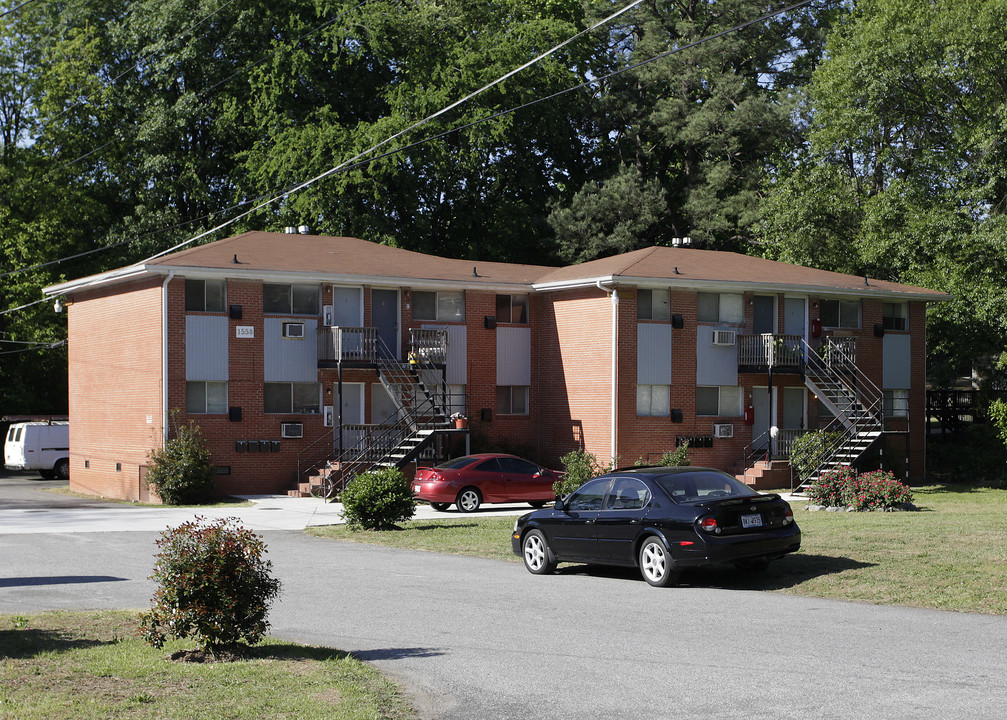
[{"x": 905, "y": 177}]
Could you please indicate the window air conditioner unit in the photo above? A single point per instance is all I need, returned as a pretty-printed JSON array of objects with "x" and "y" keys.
[
  {"x": 291, "y": 430},
  {"x": 723, "y": 430},
  {"x": 293, "y": 330},
  {"x": 724, "y": 337}
]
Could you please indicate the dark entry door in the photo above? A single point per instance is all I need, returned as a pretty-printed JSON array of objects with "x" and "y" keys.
[{"x": 385, "y": 317}]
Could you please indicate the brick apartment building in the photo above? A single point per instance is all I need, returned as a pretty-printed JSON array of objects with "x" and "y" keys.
[{"x": 297, "y": 352}]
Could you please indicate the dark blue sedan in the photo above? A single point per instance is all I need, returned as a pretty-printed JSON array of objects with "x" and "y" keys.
[{"x": 660, "y": 519}]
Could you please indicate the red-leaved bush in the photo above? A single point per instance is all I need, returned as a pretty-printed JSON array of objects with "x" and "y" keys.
[
  {"x": 213, "y": 585},
  {"x": 869, "y": 491}
]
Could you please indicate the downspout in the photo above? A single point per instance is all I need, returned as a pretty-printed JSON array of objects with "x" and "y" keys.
[
  {"x": 614, "y": 296},
  {"x": 164, "y": 357}
]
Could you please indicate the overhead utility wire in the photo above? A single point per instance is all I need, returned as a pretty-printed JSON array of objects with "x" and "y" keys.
[
  {"x": 419, "y": 123},
  {"x": 14, "y": 9},
  {"x": 356, "y": 162}
]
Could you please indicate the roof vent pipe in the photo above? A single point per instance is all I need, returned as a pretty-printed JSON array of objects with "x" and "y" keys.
[
  {"x": 290, "y": 230},
  {"x": 304, "y": 229}
]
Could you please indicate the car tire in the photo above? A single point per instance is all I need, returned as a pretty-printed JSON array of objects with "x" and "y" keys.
[
  {"x": 538, "y": 558},
  {"x": 62, "y": 469},
  {"x": 656, "y": 564},
  {"x": 537, "y": 503},
  {"x": 47, "y": 474},
  {"x": 468, "y": 500},
  {"x": 440, "y": 506}
]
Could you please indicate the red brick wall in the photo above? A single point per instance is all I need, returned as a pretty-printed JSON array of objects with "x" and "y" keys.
[{"x": 115, "y": 391}]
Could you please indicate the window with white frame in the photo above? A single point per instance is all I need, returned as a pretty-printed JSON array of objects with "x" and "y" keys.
[
  {"x": 205, "y": 295},
  {"x": 512, "y": 309},
  {"x": 293, "y": 398},
  {"x": 720, "y": 401},
  {"x": 653, "y": 400},
  {"x": 653, "y": 304},
  {"x": 895, "y": 316},
  {"x": 443, "y": 306},
  {"x": 840, "y": 313},
  {"x": 895, "y": 403},
  {"x": 720, "y": 307},
  {"x": 512, "y": 399},
  {"x": 290, "y": 299},
  {"x": 205, "y": 397}
]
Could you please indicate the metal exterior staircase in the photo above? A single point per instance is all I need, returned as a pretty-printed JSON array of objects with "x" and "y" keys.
[
  {"x": 855, "y": 402},
  {"x": 419, "y": 417}
]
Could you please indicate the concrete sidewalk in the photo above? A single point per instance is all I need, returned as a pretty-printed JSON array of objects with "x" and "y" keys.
[{"x": 267, "y": 512}]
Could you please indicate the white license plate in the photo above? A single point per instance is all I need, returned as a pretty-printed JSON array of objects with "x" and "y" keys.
[
  {"x": 416, "y": 488},
  {"x": 750, "y": 521}
]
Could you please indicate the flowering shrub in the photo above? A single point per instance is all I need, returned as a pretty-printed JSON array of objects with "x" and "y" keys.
[
  {"x": 213, "y": 585},
  {"x": 870, "y": 491},
  {"x": 875, "y": 490},
  {"x": 831, "y": 487}
]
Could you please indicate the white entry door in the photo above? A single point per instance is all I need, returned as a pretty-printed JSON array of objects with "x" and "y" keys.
[{"x": 353, "y": 414}]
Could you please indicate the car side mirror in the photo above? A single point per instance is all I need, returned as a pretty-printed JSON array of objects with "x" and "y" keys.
[{"x": 559, "y": 505}]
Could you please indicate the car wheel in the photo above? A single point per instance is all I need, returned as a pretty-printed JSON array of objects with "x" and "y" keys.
[
  {"x": 468, "y": 500},
  {"x": 537, "y": 503},
  {"x": 538, "y": 558},
  {"x": 440, "y": 506},
  {"x": 47, "y": 474},
  {"x": 752, "y": 566},
  {"x": 62, "y": 469},
  {"x": 656, "y": 563}
]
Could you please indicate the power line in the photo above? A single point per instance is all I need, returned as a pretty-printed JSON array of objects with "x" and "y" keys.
[
  {"x": 14, "y": 9},
  {"x": 359, "y": 160}
]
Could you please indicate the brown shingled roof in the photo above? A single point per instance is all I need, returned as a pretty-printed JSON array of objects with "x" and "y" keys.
[{"x": 287, "y": 252}]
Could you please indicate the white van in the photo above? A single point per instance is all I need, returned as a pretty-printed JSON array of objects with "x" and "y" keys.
[{"x": 42, "y": 446}]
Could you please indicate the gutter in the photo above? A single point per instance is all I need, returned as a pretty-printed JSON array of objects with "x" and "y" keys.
[
  {"x": 164, "y": 358},
  {"x": 613, "y": 294}
]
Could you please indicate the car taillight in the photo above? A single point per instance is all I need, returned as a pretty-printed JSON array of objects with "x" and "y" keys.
[
  {"x": 709, "y": 524},
  {"x": 788, "y": 517}
]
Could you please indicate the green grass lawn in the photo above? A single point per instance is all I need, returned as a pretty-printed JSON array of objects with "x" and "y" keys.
[
  {"x": 92, "y": 665},
  {"x": 952, "y": 555}
]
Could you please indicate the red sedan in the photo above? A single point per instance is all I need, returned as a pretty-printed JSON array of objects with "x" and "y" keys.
[{"x": 470, "y": 481}]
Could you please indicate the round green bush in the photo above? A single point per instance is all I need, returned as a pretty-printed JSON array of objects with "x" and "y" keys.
[
  {"x": 378, "y": 500},
  {"x": 213, "y": 585},
  {"x": 181, "y": 473}
]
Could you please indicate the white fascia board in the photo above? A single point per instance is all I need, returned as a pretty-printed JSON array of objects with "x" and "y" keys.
[
  {"x": 107, "y": 278},
  {"x": 238, "y": 273},
  {"x": 734, "y": 287}
]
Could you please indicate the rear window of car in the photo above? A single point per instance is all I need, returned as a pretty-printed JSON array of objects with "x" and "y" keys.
[
  {"x": 699, "y": 486},
  {"x": 456, "y": 463}
]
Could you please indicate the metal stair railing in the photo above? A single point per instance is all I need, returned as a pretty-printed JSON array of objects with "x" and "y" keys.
[
  {"x": 417, "y": 419},
  {"x": 854, "y": 399}
]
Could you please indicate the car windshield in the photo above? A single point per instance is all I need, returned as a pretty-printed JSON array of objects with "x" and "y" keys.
[
  {"x": 698, "y": 486},
  {"x": 456, "y": 463}
]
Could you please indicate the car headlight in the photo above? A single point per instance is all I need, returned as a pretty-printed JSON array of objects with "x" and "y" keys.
[{"x": 516, "y": 521}]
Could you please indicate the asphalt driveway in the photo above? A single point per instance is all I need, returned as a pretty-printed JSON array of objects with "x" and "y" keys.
[{"x": 473, "y": 638}]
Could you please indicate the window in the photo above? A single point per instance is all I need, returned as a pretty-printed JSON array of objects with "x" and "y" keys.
[
  {"x": 205, "y": 295},
  {"x": 512, "y": 399},
  {"x": 895, "y": 315},
  {"x": 589, "y": 496},
  {"x": 896, "y": 403},
  {"x": 512, "y": 308},
  {"x": 722, "y": 401},
  {"x": 720, "y": 307},
  {"x": 299, "y": 398},
  {"x": 653, "y": 305},
  {"x": 205, "y": 397},
  {"x": 518, "y": 466},
  {"x": 290, "y": 299},
  {"x": 653, "y": 400},
  {"x": 840, "y": 313},
  {"x": 442, "y": 306},
  {"x": 628, "y": 494}
]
